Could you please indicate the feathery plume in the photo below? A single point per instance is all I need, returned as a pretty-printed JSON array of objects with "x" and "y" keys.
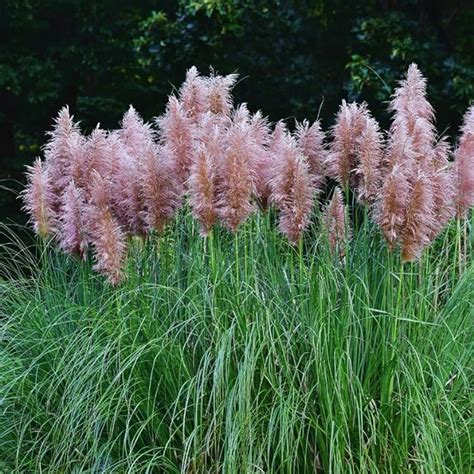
[
  {"x": 73, "y": 237},
  {"x": 135, "y": 134},
  {"x": 106, "y": 235},
  {"x": 161, "y": 197},
  {"x": 419, "y": 219},
  {"x": 38, "y": 197},
  {"x": 335, "y": 223},
  {"x": 193, "y": 94},
  {"x": 176, "y": 133},
  {"x": 370, "y": 154},
  {"x": 464, "y": 166},
  {"x": 236, "y": 177},
  {"x": 341, "y": 161},
  {"x": 392, "y": 205},
  {"x": 96, "y": 158},
  {"x": 310, "y": 140},
  {"x": 61, "y": 152},
  {"x": 219, "y": 98},
  {"x": 292, "y": 190}
]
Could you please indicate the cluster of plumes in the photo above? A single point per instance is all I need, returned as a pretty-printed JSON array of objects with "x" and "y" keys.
[
  {"x": 96, "y": 192},
  {"x": 422, "y": 188}
]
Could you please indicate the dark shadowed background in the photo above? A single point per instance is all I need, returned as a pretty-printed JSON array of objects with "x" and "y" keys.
[{"x": 294, "y": 57}]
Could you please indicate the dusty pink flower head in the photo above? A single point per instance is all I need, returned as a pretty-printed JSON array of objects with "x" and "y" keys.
[
  {"x": 413, "y": 113},
  {"x": 219, "y": 98},
  {"x": 160, "y": 188},
  {"x": 38, "y": 197},
  {"x": 342, "y": 158},
  {"x": 107, "y": 237},
  {"x": 392, "y": 204},
  {"x": 176, "y": 134},
  {"x": 62, "y": 152},
  {"x": 418, "y": 220},
  {"x": 193, "y": 94},
  {"x": 96, "y": 158},
  {"x": 135, "y": 134},
  {"x": 73, "y": 237},
  {"x": 292, "y": 190},
  {"x": 236, "y": 179},
  {"x": 335, "y": 224},
  {"x": 368, "y": 174},
  {"x": 310, "y": 140},
  {"x": 464, "y": 166}
]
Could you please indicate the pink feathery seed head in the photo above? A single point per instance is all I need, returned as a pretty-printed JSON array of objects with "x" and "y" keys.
[
  {"x": 203, "y": 188},
  {"x": 399, "y": 151},
  {"x": 241, "y": 114},
  {"x": 161, "y": 190},
  {"x": 135, "y": 134},
  {"x": 177, "y": 134},
  {"x": 97, "y": 157},
  {"x": 236, "y": 179},
  {"x": 335, "y": 223},
  {"x": 193, "y": 94},
  {"x": 369, "y": 168},
  {"x": 341, "y": 160},
  {"x": 38, "y": 197},
  {"x": 310, "y": 140},
  {"x": 61, "y": 152},
  {"x": 392, "y": 204},
  {"x": 292, "y": 190},
  {"x": 219, "y": 97},
  {"x": 278, "y": 137},
  {"x": 419, "y": 219},
  {"x": 106, "y": 235},
  {"x": 464, "y": 166},
  {"x": 73, "y": 236}
]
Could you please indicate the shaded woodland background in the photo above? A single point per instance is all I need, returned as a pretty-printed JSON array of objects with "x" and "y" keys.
[{"x": 295, "y": 58}]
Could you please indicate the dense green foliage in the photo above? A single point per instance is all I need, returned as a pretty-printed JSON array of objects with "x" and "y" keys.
[
  {"x": 239, "y": 354},
  {"x": 303, "y": 57}
]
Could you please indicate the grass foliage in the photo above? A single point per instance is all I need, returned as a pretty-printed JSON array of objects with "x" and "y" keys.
[{"x": 238, "y": 354}]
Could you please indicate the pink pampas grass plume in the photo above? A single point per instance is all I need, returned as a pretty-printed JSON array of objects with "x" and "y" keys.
[
  {"x": 61, "y": 152},
  {"x": 341, "y": 160},
  {"x": 464, "y": 166},
  {"x": 443, "y": 185},
  {"x": 160, "y": 188},
  {"x": 73, "y": 237},
  {"x": 292, "y": 190},
  {"x": 193, "y": 94},
  {"x": 135, "y": 134},
  {"x": 392, "y": 205},
  {"x": 236, "y": 177},
  {"x": 335, "y": 224},
  {"x": 310, "y": 141},
  {"x": 96, "y": 158},
  {"x": 368, "y": 173},
  {"x": 418, "y": 220},
  {"x": 38, "y": 197},
  {"x": 176, "y": 133},
  {"x": 107, "y": 237},
  {"x": 219, "y": 99}
]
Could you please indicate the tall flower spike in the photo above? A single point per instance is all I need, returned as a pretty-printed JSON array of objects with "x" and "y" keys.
[
  {"x": 392, "y": 204},
  {"x": 61, "y": 153},
  {"x": 37, "y": 198},
  {"x": 464, "y": 166},
  {"x": 341, "y": 160},
  {"x": 292, "y": 191},
  {"x": 96, "y": 158},
  {"x": 310, "y": 140},
  {"x": 73, "y": 237},
  {"x": 236, "y": 177},
  {"x": 161, "y": 197},
  {"x": 106, "y": 235},
  {"x": 335, "y": 224},
  {"x": 370, "y": 154},
  {"x": 442, "y": 181},
  {"x": 419, "y": 219},
  {"x": 176, "y": 133},
  {"x": 193, "y": 94},
  {"x": 135, "y": 135},
  {"x": 219, "y": 99}
]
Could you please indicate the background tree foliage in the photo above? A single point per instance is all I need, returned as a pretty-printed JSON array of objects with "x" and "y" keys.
[{"x": 296, "y": 59}]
